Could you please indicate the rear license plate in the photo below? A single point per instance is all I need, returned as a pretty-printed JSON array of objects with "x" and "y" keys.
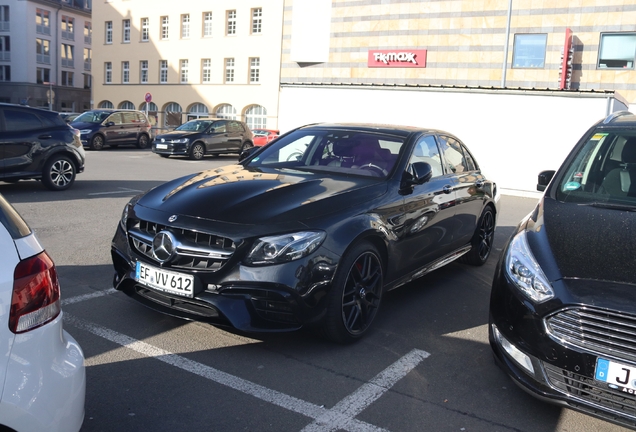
[
  {"x": 162, "y": 146},
  {"x": 164, "y": 280},
  {"x": 616, "y": 374}
]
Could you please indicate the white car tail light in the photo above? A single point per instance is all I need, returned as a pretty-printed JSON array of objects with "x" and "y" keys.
[{"x": 36, "y": 294}]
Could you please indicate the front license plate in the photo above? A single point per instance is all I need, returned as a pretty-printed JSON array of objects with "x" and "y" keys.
[
  {"x": 162, "y": 146},
  {"x": 164, "y": 280},
  {"x": 616, "y": 374}
]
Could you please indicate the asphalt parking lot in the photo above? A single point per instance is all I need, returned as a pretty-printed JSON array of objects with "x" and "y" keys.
[{"x": 426, "y": 365}]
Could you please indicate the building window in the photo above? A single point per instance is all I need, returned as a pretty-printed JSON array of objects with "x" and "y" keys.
[
  {"x": 230, "y": 26},
  {"x": 66, "y": 53},
  {"x": 107, "y": 105},
  {"x": 226, "y": 111},
  {"x": 43, "y": 51},
  {"x": 42, "y": 21},
  {"x": 88, "y": 81},
  {"x": 5, "y": 73},
  {"x": 184, "y": 69},
  {"x": 125, "y": 72},
  {"x": 127, "y": 105},
  {"x": 256, "y": 117},
  {"x": 68, "y": 28},
  {"x": 207, "y": 24},
  {"x": 164, "y": 27},
  {"x": 87, "y": 59},
  {"x": 185, "y": 26},
  {"x": 109, "y": 32},
  {"x": 4, "y": 18},
  {"x": 126, "y": 31},
  {"x": 229, "y": 70},
  {"x": 67, "y": 78},
  {"x": 257, "y": 20},
  {"x": 529, "y": 51},
  {"x": 88, "y": 33},
  {"x": 255, "y": 70},
  {"x": 5, "y": 48},
  {"x": 143, "y": 71},
  {"x": 172, "y": 118},
  {"x": 206, "y": 70},
  {"x": 108, "y": 72},
  {"x": 197, "y": 110},
  {"x": 163, "y": 71},
  {"x": 617, "y": 51},
  {"x": 145, "y": 29},
  {"x": 43, "y": 75}
]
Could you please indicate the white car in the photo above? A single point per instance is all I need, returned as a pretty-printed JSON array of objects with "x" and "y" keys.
[{"x": 42, "y": 375}]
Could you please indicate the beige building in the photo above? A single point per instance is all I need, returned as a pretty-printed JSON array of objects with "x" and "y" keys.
[{"x": 190, "y": 59}]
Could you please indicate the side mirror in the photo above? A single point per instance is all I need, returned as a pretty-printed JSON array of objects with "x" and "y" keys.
[
  {"x": 422, "y": 172},
  {"x": 109, "y": 124},
  {"x": 545, "y": 177},
  {"x": 247, "y": 153}
]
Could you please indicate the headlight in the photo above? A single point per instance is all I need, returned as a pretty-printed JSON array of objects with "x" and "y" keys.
[
  {"x": 525, "y": 272},
  {"x": 284, "y": 248},
  {"x": 180, "y": 141},
  {"x": 85, "y": 131},
  {"x": 123, "y": 221}
]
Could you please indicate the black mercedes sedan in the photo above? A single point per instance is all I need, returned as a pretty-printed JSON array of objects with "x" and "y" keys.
[
  {"x": 562, "y": 310},
  {"x": 279, "y": 241}
]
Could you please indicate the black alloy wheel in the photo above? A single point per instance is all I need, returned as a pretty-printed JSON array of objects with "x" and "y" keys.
[
  {"x": 59, "y": 173},
  {"x": 97, "y": 142},
  {"x": 246, "y": 146},
  {"x": 197, "y": 151},
  {"x": 355, "y": 296},
  {"x": 142, "y": 141},
  {"x": 482, "y": 241}
]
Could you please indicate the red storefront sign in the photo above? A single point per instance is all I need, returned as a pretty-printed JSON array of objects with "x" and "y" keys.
[{"x": 399, "y": 58}]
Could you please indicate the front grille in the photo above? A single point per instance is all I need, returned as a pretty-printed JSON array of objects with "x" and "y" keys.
[
  {"x": 590, "y": 391},
  {"x": 599, "y": 331},
  {"x": 194, "y": 250}
]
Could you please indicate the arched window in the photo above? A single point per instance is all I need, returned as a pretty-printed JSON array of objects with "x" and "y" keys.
[
  {"x": 127, "y": 105},
  {"x": 107, "y": 105},
  {"x": 256, "y": 117},
  {"x": 172, "y": 116},
  {"x": 226, "y": 111},
  {"x": 151, "y": 107},
  {"x": 198, "y": 110}
]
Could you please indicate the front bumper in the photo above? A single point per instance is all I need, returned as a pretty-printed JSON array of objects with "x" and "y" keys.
[
  {"x": 546, "y": 367},
  {"x": 274, "y": 298},
  {"x": 177, "y": 149}
]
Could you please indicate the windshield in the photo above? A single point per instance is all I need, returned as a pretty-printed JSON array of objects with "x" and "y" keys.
[
  {"x": 337, "y": 151},
  {"x": 92, "y": 117},
  {"x": 195, "y": 126},
  {"x": 603, "y": 171}
]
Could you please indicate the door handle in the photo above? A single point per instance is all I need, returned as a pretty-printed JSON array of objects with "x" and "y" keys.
[
  {"x": 44, "y": 137},
  {"x": 447, "y": 189}
]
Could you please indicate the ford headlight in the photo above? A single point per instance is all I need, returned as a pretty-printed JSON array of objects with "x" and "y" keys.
[
  {"x": 525, "y": 272},
  {"x": 284, "y": 248}
]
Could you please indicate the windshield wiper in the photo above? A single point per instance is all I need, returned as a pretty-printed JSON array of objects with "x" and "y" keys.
[{"x": 613, "y": 206}]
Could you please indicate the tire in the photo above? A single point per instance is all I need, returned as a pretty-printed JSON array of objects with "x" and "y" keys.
[
  {"x": 59, "y": 173},
  {"x": 482, "y": 240},
  {"x": 246, "y": 146},
  {"x": 97, "y": 142},
  {"x": 197, "y": 151},
  {"x": 355, "y": 296},
  {"x": 143, "y": 141}
]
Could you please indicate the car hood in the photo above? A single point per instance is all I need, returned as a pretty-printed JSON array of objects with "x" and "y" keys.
[
  {"x": 84, "y": 125},
  {"x": 236, "y": 194},
  {"x": 176, "y": 135},
  {"x": 585, "y": 242}
]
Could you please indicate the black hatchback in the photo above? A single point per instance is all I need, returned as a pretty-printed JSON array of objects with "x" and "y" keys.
[
  {"x": 109, "y": 127},
  {"x": 204, "y": 136},
  {"x": 38, "y": 144},
  {"x": 563, "y": 311}
]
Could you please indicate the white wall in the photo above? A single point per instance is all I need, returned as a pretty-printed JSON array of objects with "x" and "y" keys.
[{"x": 513, "y": 136}]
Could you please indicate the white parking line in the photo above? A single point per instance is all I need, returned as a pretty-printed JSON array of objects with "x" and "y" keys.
[
  {"x": 123, "y": 190},
  {"x": 340, "y": 417}
]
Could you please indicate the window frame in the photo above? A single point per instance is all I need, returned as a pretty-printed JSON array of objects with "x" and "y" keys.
[
  {"x": 108, "y": 32},
  {"x": 206, "y": 70},
  {"x": 165, "y": 27},
  {"x": 108, "y": 72},
  {"x": 163, "y": 71},
  {"x": 144, "y": 34},
  {"x": 521, "y": 60},
  {"x": 230, "y": 70},
  {"x": 125, "y": 32},
  {"x": 600, "y": 52},
  {"x": 256, "y": 25},
  {"x": 143, "y": 71},
  {"x": 207, "y": 26},
  {"x": 184, "y": 71},
  {"x": 125, "y": 72},
  {"x": 185, "y": 26},
  {"x": 255, "y": 70},
  {"x": 230, "y": 22}
]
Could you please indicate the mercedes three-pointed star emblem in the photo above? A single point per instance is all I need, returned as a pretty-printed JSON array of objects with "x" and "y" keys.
[{"x": 163, "y": 246}]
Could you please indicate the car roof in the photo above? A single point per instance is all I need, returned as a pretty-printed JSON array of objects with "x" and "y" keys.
[
  {"x": 26, "y": 107},
  {"x": 398, "y": 130}
]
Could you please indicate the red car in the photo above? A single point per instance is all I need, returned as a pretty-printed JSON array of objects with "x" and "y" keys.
[{"x": 264, "y": 136}]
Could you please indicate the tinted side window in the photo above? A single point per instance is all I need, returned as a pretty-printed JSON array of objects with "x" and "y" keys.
[
  {"x": 453, "y": 155},
  {"x": 140, "y": 117},
  {"x": 471, "y": 165},
  {"x": 219, "y": 127},
  {"x": 19, "y": 120},
  {"x": 130, "y": 117},
  {"x": 115, "y": 118}
]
